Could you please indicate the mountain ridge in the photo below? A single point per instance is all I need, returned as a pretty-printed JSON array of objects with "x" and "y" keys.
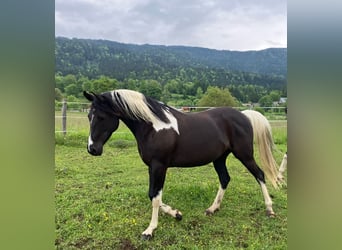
[
  {"x": 266, "y": 61},
  {"x": 96, "y": 57}
]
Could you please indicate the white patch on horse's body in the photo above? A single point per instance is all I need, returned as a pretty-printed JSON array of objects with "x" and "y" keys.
[
  {"x": 135, "y": 102},
  {"x": 160, "y": 125}
]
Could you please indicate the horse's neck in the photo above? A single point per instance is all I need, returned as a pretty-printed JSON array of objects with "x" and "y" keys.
[{"x": 138, "y": 128}]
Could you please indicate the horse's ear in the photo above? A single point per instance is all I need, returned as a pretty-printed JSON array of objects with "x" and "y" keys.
[{"x": 89, "y": 96}]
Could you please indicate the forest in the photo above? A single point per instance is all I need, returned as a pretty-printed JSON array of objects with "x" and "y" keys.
[{"x": 176, "y": 75}]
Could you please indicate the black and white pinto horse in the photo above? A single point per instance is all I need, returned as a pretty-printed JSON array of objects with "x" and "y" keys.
[{"x": 169, "y": 138}]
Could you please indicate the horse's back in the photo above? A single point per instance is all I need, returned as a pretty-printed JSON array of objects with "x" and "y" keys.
[{"x": 207, "y": 135}]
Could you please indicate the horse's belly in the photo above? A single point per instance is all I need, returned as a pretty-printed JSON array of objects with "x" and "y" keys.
[{"x": 192, "y": 157}]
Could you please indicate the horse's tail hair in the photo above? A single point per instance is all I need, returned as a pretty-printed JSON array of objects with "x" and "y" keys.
[{"x": 265, "y": 144}]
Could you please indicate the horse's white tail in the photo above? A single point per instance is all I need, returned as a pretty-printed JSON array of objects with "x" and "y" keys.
[{"x": 264, "y": 140}]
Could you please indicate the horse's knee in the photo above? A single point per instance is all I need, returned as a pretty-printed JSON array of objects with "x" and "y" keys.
[
  {"x": 155, "y": 194},
  {"x": 227, "y": 181}
]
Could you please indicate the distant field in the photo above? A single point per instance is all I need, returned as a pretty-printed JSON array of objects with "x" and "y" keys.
[
  {"x": 78, "y": 121},
  {"x": 102, "y": 202}
]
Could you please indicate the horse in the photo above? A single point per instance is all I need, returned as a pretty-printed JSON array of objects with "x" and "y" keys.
[
  {"x": 170, "y": 138},
  {"x": 260, "y": 123}
]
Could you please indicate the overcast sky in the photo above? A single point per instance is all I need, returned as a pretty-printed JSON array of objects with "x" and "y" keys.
[{"x": 217, "y": 24}]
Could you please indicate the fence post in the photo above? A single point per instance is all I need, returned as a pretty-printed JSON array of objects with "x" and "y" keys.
[{"x": 64, "y": 117}]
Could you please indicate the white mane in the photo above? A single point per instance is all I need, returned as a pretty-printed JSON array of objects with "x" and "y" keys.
[{"x": 135, "y": 103}]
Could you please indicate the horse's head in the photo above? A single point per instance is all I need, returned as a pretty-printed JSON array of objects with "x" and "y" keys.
[{"x": 103, "y": 122}]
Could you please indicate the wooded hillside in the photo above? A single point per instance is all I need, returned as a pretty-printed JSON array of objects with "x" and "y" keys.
[{"x": 177, "y": 69}]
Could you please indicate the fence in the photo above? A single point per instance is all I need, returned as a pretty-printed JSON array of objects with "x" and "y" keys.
[{"x": 72, "y": 116}]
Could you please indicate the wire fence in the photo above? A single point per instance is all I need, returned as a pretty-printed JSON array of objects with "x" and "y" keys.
[{"x": 71, "y": 117}]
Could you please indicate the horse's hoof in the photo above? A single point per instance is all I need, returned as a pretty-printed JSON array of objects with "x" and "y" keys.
[
  {"x": 146, "y": 237},
  {"x": 208, "y": 213},
  {"x": 270, "y": 214},
  {"x": 179, "y": 216}
]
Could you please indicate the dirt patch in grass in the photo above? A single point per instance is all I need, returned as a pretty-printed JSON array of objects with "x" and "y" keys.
[{"x": 126, "y": 244}]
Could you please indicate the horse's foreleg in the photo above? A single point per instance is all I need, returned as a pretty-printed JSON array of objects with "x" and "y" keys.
[
  {"x": 173, "y": 212},
  {"x": 157, "y": 175},
  {"x": 217, "y": 202},
  {"x": 222, "y": 172},
  {"x": 156, "y": 202}
]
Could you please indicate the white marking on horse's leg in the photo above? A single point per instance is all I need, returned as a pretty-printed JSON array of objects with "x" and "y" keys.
[
  {"x": 217, "y": 202},
  {"x": 267, "y": 198},
  {"x": 173, "y": 212},
  {"x": 156, "y": 202},
  {"x": 282, "y": 168}
]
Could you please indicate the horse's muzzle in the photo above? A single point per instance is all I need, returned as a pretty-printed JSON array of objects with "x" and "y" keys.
[{"x": 94, "y": 151}]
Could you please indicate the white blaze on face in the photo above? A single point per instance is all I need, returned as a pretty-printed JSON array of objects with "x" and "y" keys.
[
  {"x": 159, "y": 125},
  {"x": 90, "y": 141}
]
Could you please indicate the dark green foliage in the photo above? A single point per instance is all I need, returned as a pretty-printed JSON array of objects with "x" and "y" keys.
[
  {"x": 216, "y": 97},
  {"x": 95, "y": 57},
  {"x": 174, "y": 74}
]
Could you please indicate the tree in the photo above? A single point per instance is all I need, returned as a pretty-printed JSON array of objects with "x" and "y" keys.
[
  {"x": 151, "y": 88},
  {"x": 265, "y": 101},
  {"x": 87, "y": 86},
  {"x": 63, "y": 81},
  {"x": 275, "y": 95},
  {"x": 172, "y": 86},
  {"x": 103, "y": 84},
  {"x": 58, "y": 95},
  {"x": 199, "y": 93},
  {"x": 215, "y": 97},
  {"x": 72, "y": 89},
  {"x": 166, "y": 96}
]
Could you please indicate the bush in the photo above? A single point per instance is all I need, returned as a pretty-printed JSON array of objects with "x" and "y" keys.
[{"x": 259, "y": 109}]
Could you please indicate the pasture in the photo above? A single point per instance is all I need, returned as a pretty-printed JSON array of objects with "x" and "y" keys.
[{"x": 102, "y": 202}]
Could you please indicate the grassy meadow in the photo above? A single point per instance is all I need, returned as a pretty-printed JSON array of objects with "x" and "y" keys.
[{"x": 102, "y": 202}]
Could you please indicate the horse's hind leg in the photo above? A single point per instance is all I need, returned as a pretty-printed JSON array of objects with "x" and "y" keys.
[
  {"x": 245, "y": 154},
  {"x": 221, "y": 170},
  {"x": 282, "y": 169},
  {"x": 258, "y": 174}
]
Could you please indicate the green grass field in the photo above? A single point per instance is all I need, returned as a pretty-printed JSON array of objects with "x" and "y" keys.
[{"x": 102, "y": 202}]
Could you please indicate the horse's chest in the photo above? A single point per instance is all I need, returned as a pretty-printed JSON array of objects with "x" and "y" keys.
[{"x": 156, "y": 150}]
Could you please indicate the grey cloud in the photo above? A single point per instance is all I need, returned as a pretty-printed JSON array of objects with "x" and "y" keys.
[{"x": 217, "y": 24}]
